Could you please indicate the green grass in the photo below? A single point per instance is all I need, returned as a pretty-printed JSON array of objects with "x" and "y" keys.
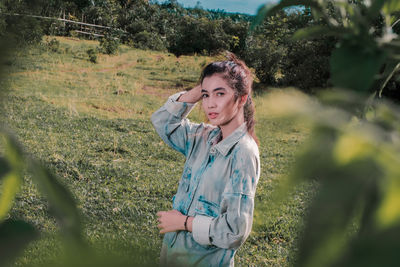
[{"x": 89, "y": 123}]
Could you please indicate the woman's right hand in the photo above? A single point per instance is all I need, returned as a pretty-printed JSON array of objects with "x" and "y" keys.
[{"x": 191, "y": 96}]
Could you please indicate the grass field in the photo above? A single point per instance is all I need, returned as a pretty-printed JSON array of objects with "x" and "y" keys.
[{"x": 89, "y": 123}]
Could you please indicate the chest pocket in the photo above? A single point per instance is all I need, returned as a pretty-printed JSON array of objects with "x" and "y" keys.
[{"x": 208, "y": 208}]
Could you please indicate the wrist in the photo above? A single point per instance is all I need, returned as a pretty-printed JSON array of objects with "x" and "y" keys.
[
  {"x": 192, "y": 96},
  {"x": 185, "y": 226}
]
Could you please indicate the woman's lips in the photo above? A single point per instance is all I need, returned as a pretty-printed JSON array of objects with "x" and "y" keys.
[{"x": 212, "y": 115}]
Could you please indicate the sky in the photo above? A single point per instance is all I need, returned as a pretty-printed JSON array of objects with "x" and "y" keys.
[{"x": 241, "y": 6}]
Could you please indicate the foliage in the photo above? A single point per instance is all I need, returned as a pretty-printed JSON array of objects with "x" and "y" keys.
[
  {"x": 354, "y": 149},
  {"x": 23, "y": 30},
  {"x": 109, "y": 45},
  {"x": 197, "y": 36},
  {"x": 354, "y": 163},
  {"x": 361, "y": 50},
  {"x": 147, "y": 40},
  {"x": 92, "y": 54},
  {"x": 16, "y": 234},
  {"x": 280, "y": 61},
  {"x": 53, "y": 44}
]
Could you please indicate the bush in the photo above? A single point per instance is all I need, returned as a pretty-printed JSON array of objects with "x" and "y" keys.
[
  {"x": 92, "y": 55},
  {"x": 201, "y": 36},
  {"x": 53, "y": 45},
  {"x": 56, "y": 28},
  {"x": 280, "y": 61},
  {"x": 148, "y": 40},
  {"x": 24, "y": 30},
  {"x": 109, "y": 45}
]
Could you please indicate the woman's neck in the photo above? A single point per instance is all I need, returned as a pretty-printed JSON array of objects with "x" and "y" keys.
[{"x": 232, "y": 125}]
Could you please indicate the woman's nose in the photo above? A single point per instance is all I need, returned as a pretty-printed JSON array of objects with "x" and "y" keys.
[{"x": 211, "y": 102}]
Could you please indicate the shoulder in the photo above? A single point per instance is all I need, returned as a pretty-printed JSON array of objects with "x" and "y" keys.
[
  {"x": 246, "y": 148},
  {"x": 245, "y": 156},
  {"x": 245, "y": 166}
]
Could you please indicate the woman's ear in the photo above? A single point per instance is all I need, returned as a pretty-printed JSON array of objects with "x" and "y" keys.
[{"x": 243, "y": 100}]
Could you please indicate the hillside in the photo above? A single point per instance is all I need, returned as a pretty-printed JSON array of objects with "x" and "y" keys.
[{"x": 89, "y": 123}]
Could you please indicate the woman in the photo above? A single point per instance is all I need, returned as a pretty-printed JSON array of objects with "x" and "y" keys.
[{"x": 213, "y": 207}]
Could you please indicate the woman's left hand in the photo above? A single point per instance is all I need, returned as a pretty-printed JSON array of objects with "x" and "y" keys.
[{"x": 170, "y": 221}]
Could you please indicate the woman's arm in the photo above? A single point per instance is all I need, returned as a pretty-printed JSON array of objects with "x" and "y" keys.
[
  {"x": 170, "y": 120},
  {"x": 231, "y": 228},
  {"x": 191, "y": 96},
  {"x": 172, "y": 221}
]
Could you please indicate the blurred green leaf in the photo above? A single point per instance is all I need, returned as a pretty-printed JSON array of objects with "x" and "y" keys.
[
  {"x": 61, "y": 202},
  {"x": 375, "y": 8},
  {"x": 4, "y": 167},
  {"x": 270, "y": 9},
  {"x": 14, "y": 237},
  {"x": 342, "y": 190},
  {"x": 317, "y": 31},
  {"x": 388, "y": 213},
  {"x": 10, "y": 187},
  {"x": 260, "y": 16},
  {"x": 391, "y": 6},
  {"x": 347, "y": 101},
  {"x": 373, "y": 249},
  {"x": 354, "y": 66},
  {"x": 288, "y": 3},
  {"x": 11, "y": 182},
  {"x": 355, "y": 163}
]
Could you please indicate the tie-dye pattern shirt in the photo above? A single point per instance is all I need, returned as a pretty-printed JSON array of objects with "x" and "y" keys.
[{"x": 217, "y": 187}]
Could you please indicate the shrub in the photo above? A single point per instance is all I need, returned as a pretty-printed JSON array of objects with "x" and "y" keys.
[
  {"x": 109, "y": 45},
  {"x": 24, "y": 30},
  {"x": 200, "y": 36},
  {"x": 53, "y": 45},
  {"x": 148, "y": 40},
  {"x": 92, "y": 55}
]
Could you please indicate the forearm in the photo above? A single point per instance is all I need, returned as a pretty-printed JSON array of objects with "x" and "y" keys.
[
  {"x": 191, "y": 96},
  {"x": 173, "y": 220}
]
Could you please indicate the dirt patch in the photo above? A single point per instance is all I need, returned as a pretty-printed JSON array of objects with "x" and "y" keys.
[
  {"x": 73, "y": 39},
  {"x": 121, "y": 67},
  {"x": 150, "y": 90},
  {"x": 112, "y": 109}
]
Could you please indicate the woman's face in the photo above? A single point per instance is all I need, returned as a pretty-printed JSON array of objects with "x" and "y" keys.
[{"x": 219, "y": 102}]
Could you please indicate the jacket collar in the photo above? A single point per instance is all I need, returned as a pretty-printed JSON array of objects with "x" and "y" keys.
[{"x": 226, "y": 145}]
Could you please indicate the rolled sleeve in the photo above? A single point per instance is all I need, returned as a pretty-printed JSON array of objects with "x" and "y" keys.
[
  {"x": 172, "y": 125},
  {"x": 201, "y": 229},
  {"x": 176, "y": 108}
]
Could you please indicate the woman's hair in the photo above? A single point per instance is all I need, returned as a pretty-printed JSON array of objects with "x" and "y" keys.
[{"x": 239, "y": 78}]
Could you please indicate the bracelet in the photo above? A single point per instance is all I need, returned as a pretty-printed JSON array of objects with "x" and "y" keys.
[{"x": 185, "y": 224}]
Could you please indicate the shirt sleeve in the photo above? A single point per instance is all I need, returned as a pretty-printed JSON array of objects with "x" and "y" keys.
[
  {"x": 171, "y": 124},
  {"x": 231, "y": 228}
]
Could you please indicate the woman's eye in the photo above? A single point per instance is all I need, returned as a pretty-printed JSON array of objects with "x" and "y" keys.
[
  {"x": 220, "y": 94},
  {"x": 204, "y": 96}
]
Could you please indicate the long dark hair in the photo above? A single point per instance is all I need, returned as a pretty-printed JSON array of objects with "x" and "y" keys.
[{"x": 239, "y": 78}]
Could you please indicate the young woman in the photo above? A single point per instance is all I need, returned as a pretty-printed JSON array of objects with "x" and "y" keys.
[{"x": 213, "y": 208}]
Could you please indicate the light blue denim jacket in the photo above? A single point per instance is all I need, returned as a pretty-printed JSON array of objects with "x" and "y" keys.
[{"x": 217, "y": 188}]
